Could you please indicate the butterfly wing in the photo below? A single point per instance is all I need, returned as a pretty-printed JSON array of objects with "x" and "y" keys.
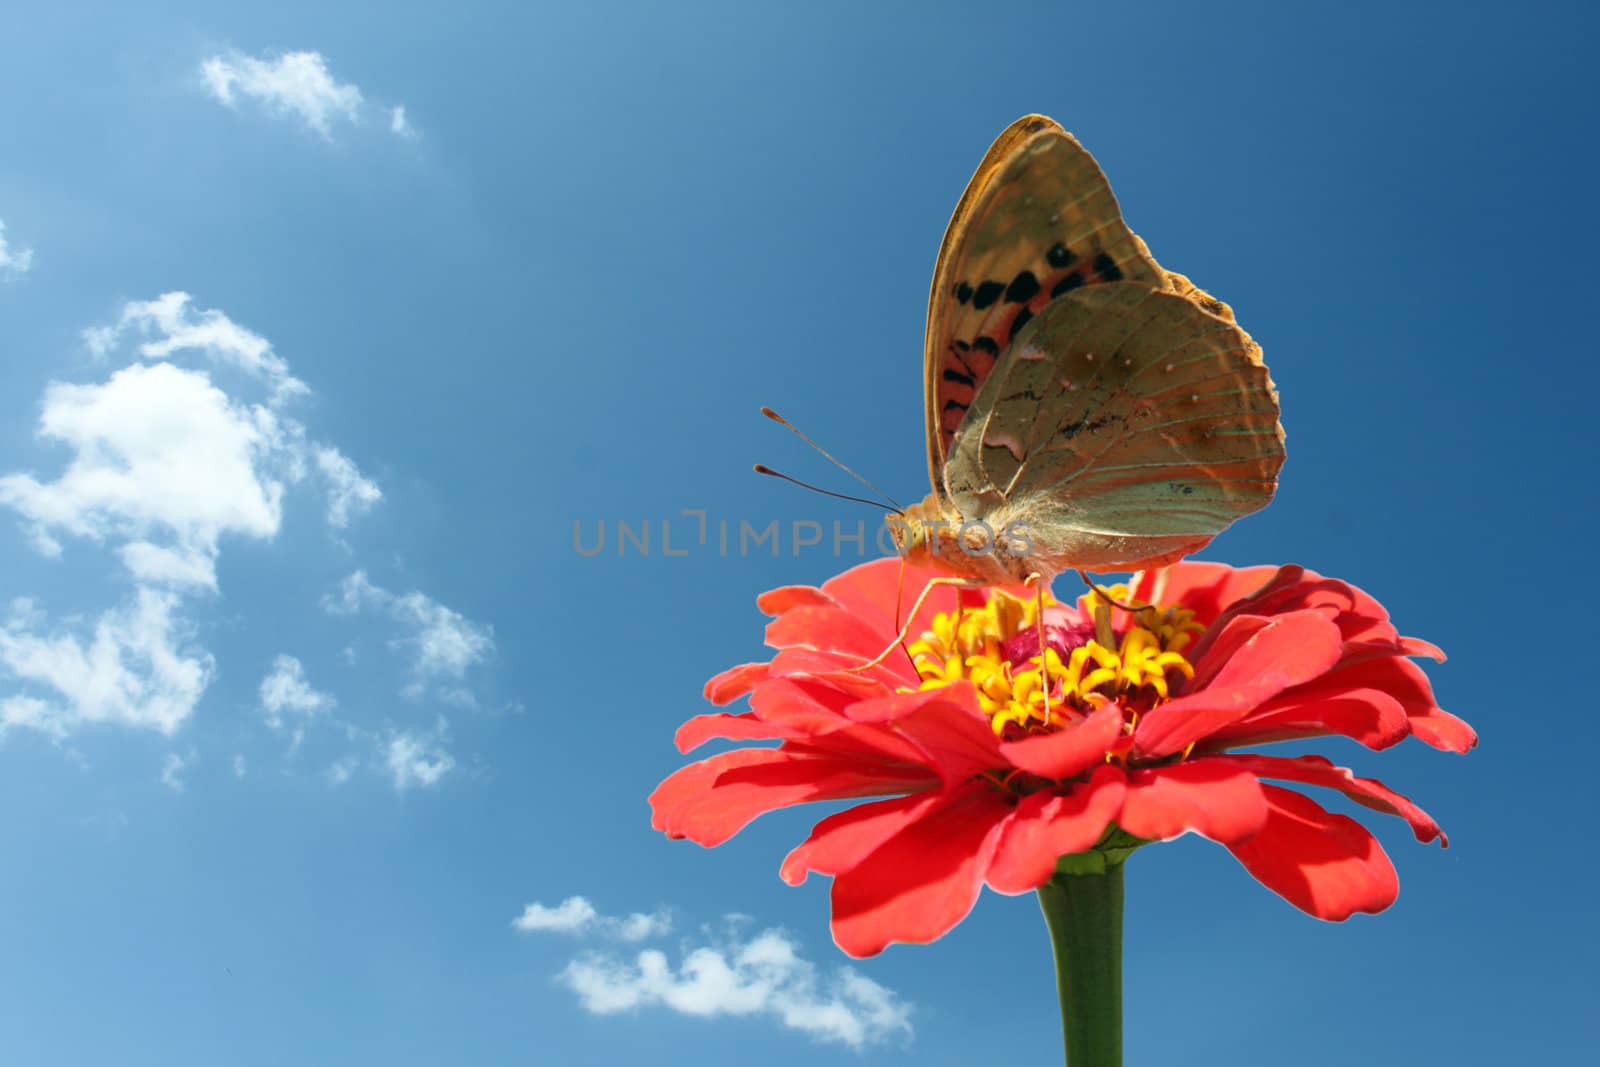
[
  {"x": 1037, "y": 221},
  {"x": 1125, "y": 427}
]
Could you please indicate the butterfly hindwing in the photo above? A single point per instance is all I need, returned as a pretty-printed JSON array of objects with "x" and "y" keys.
[
  {"x": 1127, "y": 425},
  {"x": 1037, "y": 222}
]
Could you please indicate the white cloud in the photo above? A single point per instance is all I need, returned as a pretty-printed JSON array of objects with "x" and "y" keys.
[
  {"x": 16, "y": 262},
  {"x": 296, "y": 83},
  {"x": 158, "y": 451},
  {"x": 137, "y": 668},
  {"x": 416, "y": 759},
  {"x": 576, "y": 915},
  {"x": 349, "y": 494},
  {"x": 444, "y": 643},
  {"x": 763, "y": 976},
  {"x": 238, "y": 766},
  {"x": 399, "y": 125},
  {"x": 207, "y": 331},
  {"x": 171, "y": 769},
  {"x": 163, "y": 467},
  {"x": 569, "y": 917},
  {"x": 285, "y": 689},
  {"x": 340, "y": 770}
]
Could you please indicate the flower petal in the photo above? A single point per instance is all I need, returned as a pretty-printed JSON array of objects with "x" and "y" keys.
[
  {"x": 702, "y": 728},
  {"x": 1370, "y": 716},
  {"x": 735, "y": 682},
  {"x": 844, "y": 839},
  {"x": 710, "y": 801},
  {"x": 1071, "y": 751},
  {"x": 1324, "y": 864},
  {"x": 1358, "y": 615},
  {"x": 1314, "y": 770},
  {"x": 1048, "y": 825},
  {"x": 1288, "y": 651},
  {"x": 880, "y": 590},
  {"x": 788, "y": 597},
  {"x": 1206, "y": 796},
  {"x": 923, "y": 880},
  {"x": 828, "y": 628},
  {"x": 1204, "y": 588}
]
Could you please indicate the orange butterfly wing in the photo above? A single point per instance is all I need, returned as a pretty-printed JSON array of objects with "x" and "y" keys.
[{"x": 1037, "y": 221}]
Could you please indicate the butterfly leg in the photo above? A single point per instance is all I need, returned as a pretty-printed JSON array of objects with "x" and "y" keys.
[
  {"x": 905, "y": 628},
  {"x": 1106, "y": 596}
]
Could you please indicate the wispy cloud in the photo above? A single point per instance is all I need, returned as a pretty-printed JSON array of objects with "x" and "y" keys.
[
  {"x": 171, "y": 771},
  {"x": 416, "y": 759},
  {"x": 137, "y": 666},
  {"x": 399, "y": 125},
  {"x": 177, "y": 326},
  {"x": 723, "y": 976},
  {"x": 576, "y": 915},
  {"x": 294, "y": 85},
  {"x": 15, "y": 262},
  {"x": 349, "y": 493},
  {"x": 164, "y": 467},
  {"x": 443, "y": 643},
  {"x": 285, "y": 689}
]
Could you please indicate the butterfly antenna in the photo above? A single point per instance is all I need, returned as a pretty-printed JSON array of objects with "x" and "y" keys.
[
  {"x": 786, "y": 424},
  {"x": 762, "y": 468}
]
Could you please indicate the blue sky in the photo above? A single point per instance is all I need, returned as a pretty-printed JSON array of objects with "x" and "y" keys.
[{"x": 314, "y": 718}]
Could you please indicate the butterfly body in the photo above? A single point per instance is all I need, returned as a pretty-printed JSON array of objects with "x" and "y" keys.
[{"x": 1086, "y": 409}]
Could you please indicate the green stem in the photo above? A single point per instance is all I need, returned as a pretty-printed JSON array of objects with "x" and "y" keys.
[{"x": 1084, "y": 913}]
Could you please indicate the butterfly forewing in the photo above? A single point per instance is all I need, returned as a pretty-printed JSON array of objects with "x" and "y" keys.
[
  {"x": 1126, "y": 425},
  {"x": 1038, "y": 221}
]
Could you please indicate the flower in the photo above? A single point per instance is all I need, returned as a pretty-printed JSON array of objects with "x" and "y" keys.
[{"x": 993, "y": 770}]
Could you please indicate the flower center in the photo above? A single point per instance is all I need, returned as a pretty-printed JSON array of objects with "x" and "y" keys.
[{"x": 1087, "y": 661}]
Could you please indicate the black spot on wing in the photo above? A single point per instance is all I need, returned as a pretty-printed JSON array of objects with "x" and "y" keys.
[
  {"x": 984, "y": 344},
  {"x": 1022, "y": 288},
  {"x": 1019, "y": 322},
  {"x": 1107, "y": 268},
  {"x": 963, "y": 293},
  {"x": 987, "y": 294},
  {"x": 1060, "y": 256},
  {"x": 957, "y": 376},
  {"x": 1067, "y": 284}
]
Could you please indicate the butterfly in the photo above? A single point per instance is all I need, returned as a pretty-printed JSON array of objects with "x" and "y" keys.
[{"x": 1086, "y": 409}]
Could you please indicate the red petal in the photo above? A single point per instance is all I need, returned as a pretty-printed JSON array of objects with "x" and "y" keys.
[
  {"x": 835, "y": 668},
  {"x": 828, "y": 629},
  {"x": 1321, "y": 863},
  {"x": 1288, "y": 651},
  {"x": 878, "y": 590},
  {"x": 702, "y": 728},
  {"x": 1358, "y": 615},
  {"x": 923, "y": 880},
  {"x": 710, "y": 801},
  {"x": 1443, "y": 731},
  {"x": 787, "y": 597},
  {"x": 1204, "y": 588},
  {"x": 1206, "y": 796},
  {"x": 1404, "y": 681},
  {"x": 843, "y": 840},
  {"x": 1370, "y": 716},
  {"x": 1069, "y": 752},
  {"x": 734, "y": 682},
  {"x": 1314, "y": 770},
  {"x": 953, "y": 736},
  {"x": 1048, "y": 825}
]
